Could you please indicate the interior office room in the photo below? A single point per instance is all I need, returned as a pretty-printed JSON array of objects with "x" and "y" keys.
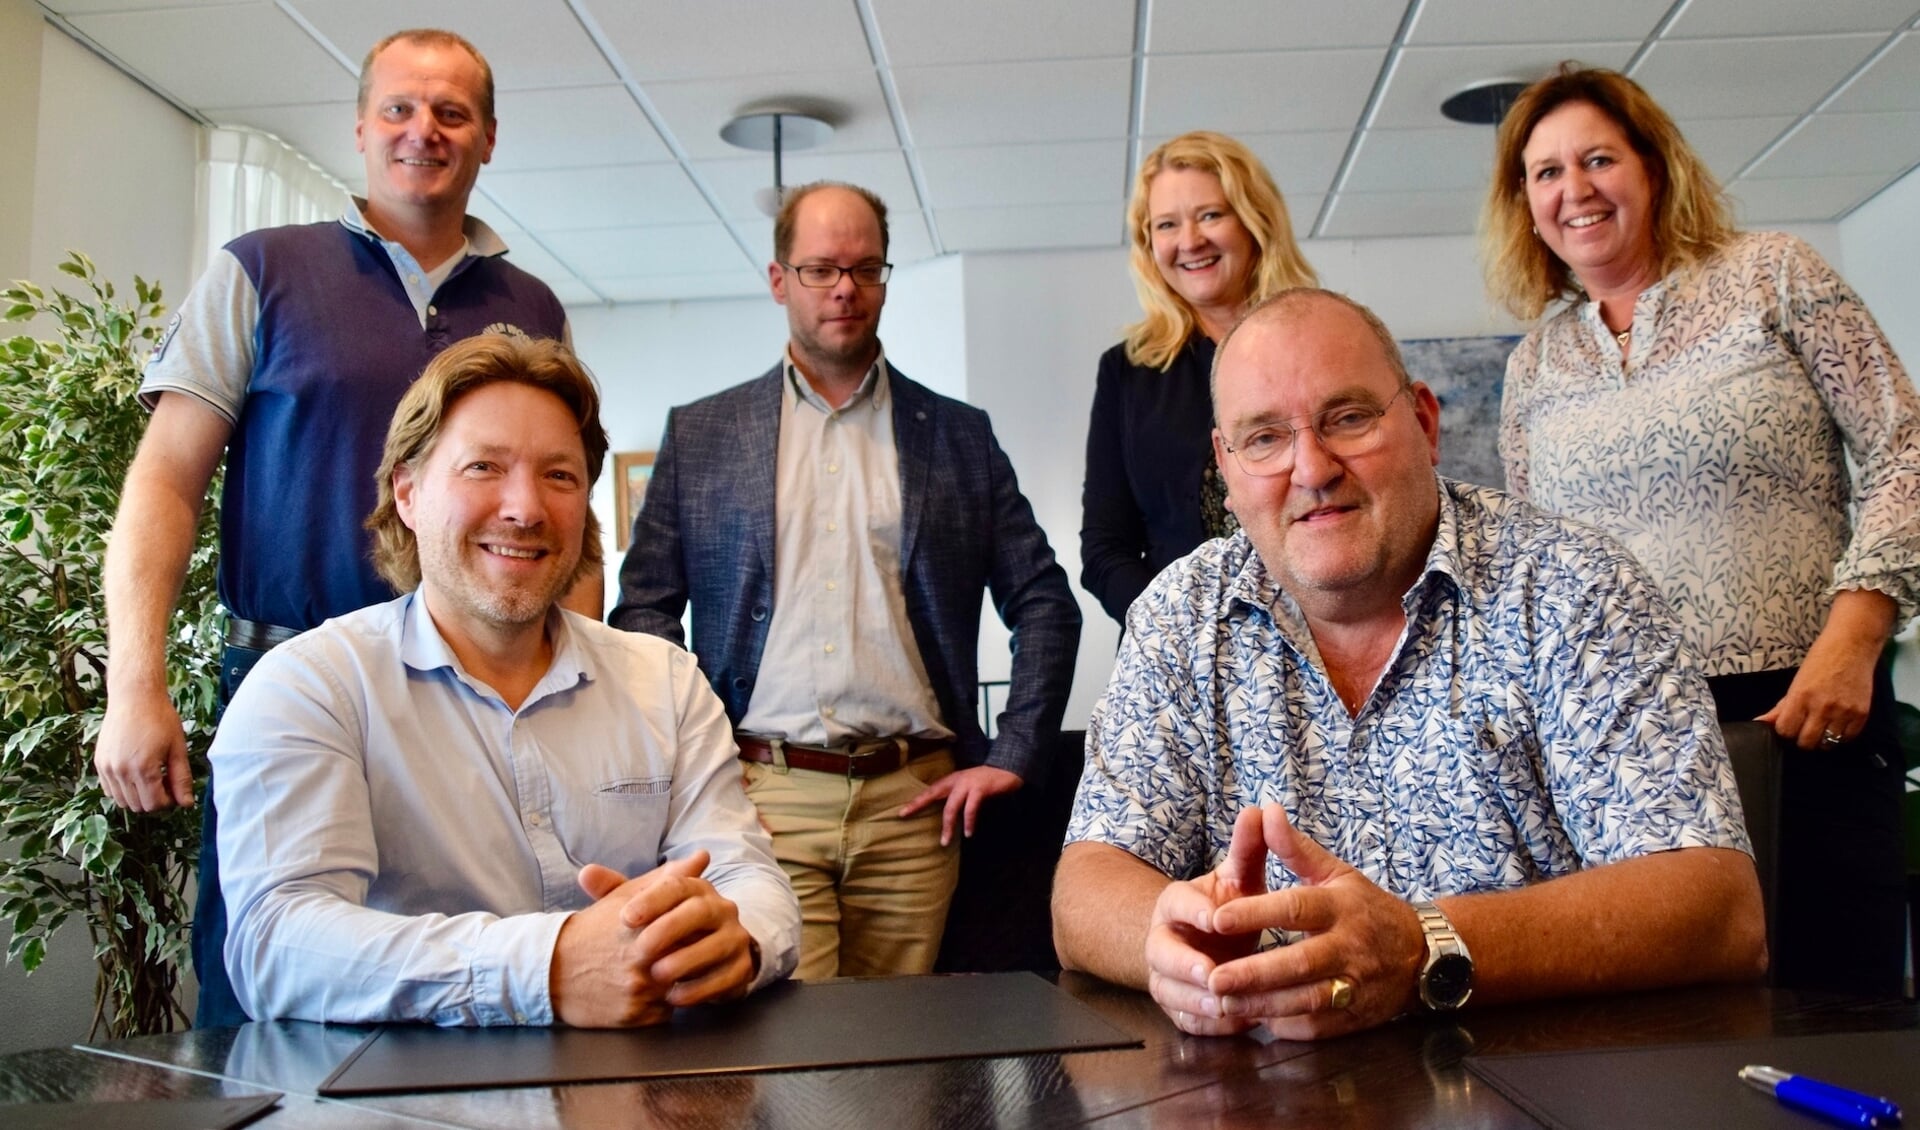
[{"x": 1003, "y": 136}]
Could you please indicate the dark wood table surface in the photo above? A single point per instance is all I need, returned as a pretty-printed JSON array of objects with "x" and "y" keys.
[{"x": 1407, "y": 1074}]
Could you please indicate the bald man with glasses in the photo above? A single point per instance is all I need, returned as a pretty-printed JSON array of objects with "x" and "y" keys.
[
  {"x": 1398, "y": 743},
  {"x": 834, "y": 526}
]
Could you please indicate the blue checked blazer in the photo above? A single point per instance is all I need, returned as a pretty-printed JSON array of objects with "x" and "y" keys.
[{"x": 706, "y": 534}]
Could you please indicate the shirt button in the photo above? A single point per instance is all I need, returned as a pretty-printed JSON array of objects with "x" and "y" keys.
[
  {"x": 414, "y": 279},
  {"x": 829, "y": 649},
  {"x": 826, "y": 711},
  {"x": 833, "y": 527},
  {"x": 535, "y": 819},
  {"x": 831, "y": 587},
  {"x": 434, "y": 310},
  {"x": 833, "y": 468}
]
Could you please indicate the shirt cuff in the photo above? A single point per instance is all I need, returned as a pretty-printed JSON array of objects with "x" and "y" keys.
[{"x": 513, "y": 972}]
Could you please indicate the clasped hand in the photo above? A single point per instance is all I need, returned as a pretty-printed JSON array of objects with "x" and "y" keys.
[
  {"x": 1203, "y": 967},
  {"x": 647, "y": 946}
]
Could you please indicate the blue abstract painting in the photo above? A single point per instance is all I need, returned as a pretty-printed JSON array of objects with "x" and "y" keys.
[{"x": 1466, "y": 374}]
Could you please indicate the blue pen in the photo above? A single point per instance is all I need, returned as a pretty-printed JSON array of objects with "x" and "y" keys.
[{"x": 1835, "y": 1104}]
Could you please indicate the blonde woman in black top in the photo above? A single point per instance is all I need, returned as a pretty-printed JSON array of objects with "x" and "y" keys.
[{"x": 1210, "y": 237}]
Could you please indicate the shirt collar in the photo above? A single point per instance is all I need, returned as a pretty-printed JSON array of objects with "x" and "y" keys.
[
  {"x": 481, "y": 239},
  {"x": 423, "y": 648},
  {"x": 874, "y": 389}
]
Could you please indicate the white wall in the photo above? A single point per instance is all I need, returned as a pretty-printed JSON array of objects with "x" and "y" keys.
[
  {"x": 112, "y": 174},
  {"x": 20, "y": 25}
]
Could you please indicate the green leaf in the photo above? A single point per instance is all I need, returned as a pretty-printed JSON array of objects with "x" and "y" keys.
[{"x": 33, "y": 953}]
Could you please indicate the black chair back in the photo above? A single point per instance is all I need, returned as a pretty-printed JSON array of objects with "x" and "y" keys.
[{"x": 1757, "y": 752}]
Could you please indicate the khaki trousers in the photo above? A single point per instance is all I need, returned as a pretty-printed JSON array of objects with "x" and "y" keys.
[{"x": 873, "y": 888}]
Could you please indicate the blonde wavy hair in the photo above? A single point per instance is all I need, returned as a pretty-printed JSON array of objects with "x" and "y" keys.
[
  {"x": 462, "y": 368},
  {"x": 1691, "y": 217},
  {"x": 1157, "y": 339}
]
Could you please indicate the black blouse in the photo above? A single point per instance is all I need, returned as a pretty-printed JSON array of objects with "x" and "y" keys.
[{"x": 1149, "y": 466}]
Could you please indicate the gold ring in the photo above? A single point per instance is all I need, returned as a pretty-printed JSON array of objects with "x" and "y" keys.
[{"x": 1342, "y": 993}]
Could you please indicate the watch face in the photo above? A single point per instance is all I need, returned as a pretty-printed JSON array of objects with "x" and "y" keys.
[{"x": 1448, "y": 981}]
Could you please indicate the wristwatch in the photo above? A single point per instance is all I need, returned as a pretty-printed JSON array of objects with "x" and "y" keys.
[{"x": 1446, "y": 981}]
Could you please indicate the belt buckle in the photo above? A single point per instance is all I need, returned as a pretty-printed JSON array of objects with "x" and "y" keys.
[{"x": 880, "y": 745}]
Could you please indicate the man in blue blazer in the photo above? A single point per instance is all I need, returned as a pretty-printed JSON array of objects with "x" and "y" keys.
[{"x": 834, "y": 525}]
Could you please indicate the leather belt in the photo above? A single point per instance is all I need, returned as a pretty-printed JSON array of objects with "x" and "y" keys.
[
  {"x": 256, "y": 636},
  {"x": 872, "y": 757}
]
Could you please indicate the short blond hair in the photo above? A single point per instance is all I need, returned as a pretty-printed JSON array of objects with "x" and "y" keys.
[
  {"x": 460, "y": 369},
  {"x": 1158, "y": 338},
  {"x": 428, "y": 37},
  {"x": 1691, "y": 219}
]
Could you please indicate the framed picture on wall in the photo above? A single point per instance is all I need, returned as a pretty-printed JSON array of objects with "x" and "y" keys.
[{"x": 631, "y": 470}]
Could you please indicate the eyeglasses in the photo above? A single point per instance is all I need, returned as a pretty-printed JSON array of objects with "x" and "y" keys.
[
  {"x": 1345, "y": 430},
  {"x": 823, "y": 275}
]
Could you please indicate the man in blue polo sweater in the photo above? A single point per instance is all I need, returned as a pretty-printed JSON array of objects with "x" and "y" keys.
[{"x": 289, "y": 356}]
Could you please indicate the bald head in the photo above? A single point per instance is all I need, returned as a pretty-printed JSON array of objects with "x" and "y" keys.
[{"x": 1302, "y": 304}]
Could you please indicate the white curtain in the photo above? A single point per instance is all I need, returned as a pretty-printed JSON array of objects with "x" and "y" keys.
[{"x": 250, "y": 180}]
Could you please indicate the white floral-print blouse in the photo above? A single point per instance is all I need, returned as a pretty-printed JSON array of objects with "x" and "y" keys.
[{"x": 1718, "y": 451}]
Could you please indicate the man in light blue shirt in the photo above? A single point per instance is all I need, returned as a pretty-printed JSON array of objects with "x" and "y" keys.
[{"x": 436, "y": 803}]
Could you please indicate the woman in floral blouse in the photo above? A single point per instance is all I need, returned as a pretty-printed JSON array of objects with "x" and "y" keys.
[{"x": 1696, "y": 391}]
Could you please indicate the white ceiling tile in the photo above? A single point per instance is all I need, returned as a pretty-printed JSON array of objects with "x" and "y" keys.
[
  {"x": 1373, "y": 214},
  {"x": 481, "y": 207},
  {"x": 1738, "y": 78},
  {"x": 616, "y": 195},
  {"x": 573, "y": 128},
  {"x": 924, "y": 32},
  {"x": 678, "y": 249},
  {"x": 1298, "y": 162},
  {"x": 1718, "y": 18},
  {"x": 1727, "y": 144},
  {"x": 850, "y": 100},
  {"x": 528, "y": 43},
  {"x": 734, "y": 180},
  {"x": 1302, "y": 211},
  {"x": 1846, "y": 145},
  {"x": 323, "y": 131},
  {"x": 669, "y": 288},
  {"x": 907, "y": 238},
  {"x": 1271, "y": 25},
  {"x": 1401, "y": 160},
  {"x": 1424, "y": 77},
  {"x": 1003, "y": 103},
  {"x": 240, "y": 55},
  {"x": 76, "y": 7},
  {"x": 1258, "y": 93},
  {"x": 1458, "y": 22},
  {"x": 1892, "y": 83},
  {"x": 1808, "y": 199},
  {"x": 724, "y": 38},
  {"x": 573, "y": 292},
  {"x": 1030, "y": 227},
  {"x": 526, "y": 254},
  {"x": 1059, "y": 172}
]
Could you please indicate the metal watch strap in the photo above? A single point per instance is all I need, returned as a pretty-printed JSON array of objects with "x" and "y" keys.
[{"x": 1442, "y": 942}]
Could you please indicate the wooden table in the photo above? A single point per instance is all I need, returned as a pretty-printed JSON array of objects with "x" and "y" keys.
[{"x": 1407, "y": 1074}]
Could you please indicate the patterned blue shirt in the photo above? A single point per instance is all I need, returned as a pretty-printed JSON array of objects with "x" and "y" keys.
[{"x": 1539, "y": 714}]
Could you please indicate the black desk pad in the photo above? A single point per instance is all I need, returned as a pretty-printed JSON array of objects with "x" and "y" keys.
[
  {"x": 1696, "y": 1085},
  {"x": 784, "y": 1027},
  {"x": 147, "y": 1114}
]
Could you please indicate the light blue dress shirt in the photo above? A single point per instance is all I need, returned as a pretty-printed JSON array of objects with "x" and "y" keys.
[{"x": 397, "y": 844}]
